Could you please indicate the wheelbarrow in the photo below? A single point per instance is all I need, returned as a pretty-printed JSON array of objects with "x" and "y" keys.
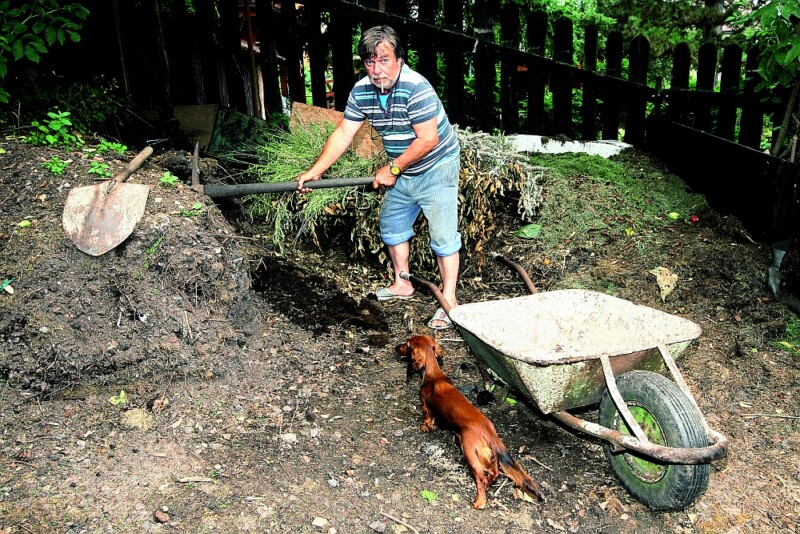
[{"x": 574, "y": 348}]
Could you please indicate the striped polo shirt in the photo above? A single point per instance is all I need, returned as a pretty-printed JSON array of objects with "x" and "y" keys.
[{"x": 411, "y": 101}]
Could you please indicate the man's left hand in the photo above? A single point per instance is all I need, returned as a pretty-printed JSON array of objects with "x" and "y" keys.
[{"x": 384, "y": 177}]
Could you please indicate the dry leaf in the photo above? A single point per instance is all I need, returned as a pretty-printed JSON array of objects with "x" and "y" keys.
[{"x": 666, "y": 280}]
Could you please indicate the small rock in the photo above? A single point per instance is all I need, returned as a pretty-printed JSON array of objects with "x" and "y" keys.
[
  {"x": 289, "y": 438},
  {"x": 138, "y": 418},
  {"x": 161, "y": 517},
  {"x": 320, "y": 522},
  {"x": 378, "y": 526}
]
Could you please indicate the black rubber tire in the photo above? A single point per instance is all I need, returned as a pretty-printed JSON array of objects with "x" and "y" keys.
[{"x": 674, "y": 422}]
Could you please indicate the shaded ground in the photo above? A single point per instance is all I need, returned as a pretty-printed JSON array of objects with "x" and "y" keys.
[{"x": 263, "y": 394}]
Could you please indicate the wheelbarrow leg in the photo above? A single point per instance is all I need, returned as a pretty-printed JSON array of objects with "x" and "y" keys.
[{"x": 484, "y": 371}]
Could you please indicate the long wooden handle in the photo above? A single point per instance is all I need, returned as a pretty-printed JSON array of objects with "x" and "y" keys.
[
  {"x": 217, "y": 191},
  {"x": 135, "y": 163}
]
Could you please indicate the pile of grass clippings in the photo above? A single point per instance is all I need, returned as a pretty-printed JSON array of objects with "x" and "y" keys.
[{"x": 494, "y": 178}]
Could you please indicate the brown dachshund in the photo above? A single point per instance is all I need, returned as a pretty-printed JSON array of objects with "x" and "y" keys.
[{"x": 441, "y": 402}]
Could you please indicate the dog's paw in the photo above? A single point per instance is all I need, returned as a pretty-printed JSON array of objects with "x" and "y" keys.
[{"x": 427, "y": 427}]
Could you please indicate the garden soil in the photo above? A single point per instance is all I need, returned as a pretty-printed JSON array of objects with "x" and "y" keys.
[{"x": 191, "y": 380}]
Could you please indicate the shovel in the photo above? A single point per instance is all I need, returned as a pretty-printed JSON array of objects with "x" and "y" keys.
[{"x": 99, "y": 217}]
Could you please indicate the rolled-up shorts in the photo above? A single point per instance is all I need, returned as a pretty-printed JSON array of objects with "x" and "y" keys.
[{"x": 435, "y": 194}]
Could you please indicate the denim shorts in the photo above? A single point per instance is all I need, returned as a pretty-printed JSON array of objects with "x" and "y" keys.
[{"x": 435, "y": 194}]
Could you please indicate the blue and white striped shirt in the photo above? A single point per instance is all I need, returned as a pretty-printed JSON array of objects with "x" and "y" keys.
[{"x": 411, "y": 101}]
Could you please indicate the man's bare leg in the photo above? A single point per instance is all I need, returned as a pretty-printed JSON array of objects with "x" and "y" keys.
[
  {"x": 448, "y": 268},
  {"x": 399, "y": 256}
]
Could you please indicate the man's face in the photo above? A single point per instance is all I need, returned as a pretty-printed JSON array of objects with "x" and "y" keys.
[{"x": 383, "y": 68}]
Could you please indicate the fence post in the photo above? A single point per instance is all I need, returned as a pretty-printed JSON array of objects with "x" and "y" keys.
[
  {"x": 317, "y": 53},
  {"x": 485, "y": 70},
  {"x": 294, "y": 53},
  {"x": 536, "y": 35},
  {"x": 637, "y": 102},
  {"x": 341, "y": 32},
  {"x": 612, "y": 99},
  {"x": 454, "y": 64},
  {"x": 706, "y": 72},
  {"x": 269, "y": 67},
  {"x": 561, "y": 84},
  {"x": 426, "y": 65},
  {"x": 509, "y": 35},
  {"x": 730, "y": 76},
  {"x": 752, "y": 122},
  {"x": 677, "y": 104},
  {"x": 589, "y": 104}
]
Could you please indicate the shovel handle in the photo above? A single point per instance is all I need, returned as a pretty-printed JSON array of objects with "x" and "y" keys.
[
  {"x": 134, "y": 164},
  {"x": 217, "y": 191}
]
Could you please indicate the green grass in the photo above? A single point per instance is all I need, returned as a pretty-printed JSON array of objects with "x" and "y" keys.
[
  {"x": 791, "y": 342},
  {"x": 586, "y": 194}
]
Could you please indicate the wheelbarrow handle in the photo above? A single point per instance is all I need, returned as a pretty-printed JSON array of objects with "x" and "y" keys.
[
  {"x": 218, "y": 191},
  {"x": 517, "y": 267}
]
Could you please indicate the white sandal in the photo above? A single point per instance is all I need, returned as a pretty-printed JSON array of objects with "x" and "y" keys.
[{"x": 442, "y": 316}]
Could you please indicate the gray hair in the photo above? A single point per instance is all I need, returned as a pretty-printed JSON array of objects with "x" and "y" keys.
[{"x": 373, "y": 37}]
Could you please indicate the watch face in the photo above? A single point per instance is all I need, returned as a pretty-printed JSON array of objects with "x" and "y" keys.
[{"x": 394, "y": 169}]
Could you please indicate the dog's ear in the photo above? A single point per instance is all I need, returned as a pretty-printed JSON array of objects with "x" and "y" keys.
[
  {"x": 437, "y": 350},
  {"x": 402, "y": 350}
]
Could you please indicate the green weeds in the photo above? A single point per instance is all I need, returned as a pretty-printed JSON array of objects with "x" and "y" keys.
[
  {"x": 168, "y": 179},
  {"x": 56, "y": 130},
  {"x": 428, "y": 495},
  {"x": 110, "y": 146},
  {"x": 99, "y": 168},
  {"x": 792, "y": 341},
  {"x": 150, "y": 252},
  {"x": 56, "y": 165},
  {"x": 195, "y": 211}
]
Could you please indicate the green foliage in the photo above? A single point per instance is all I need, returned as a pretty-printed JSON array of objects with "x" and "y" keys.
[
  {"x": 429, "y": 495},
  {"x": 774, "y": 27},
  {"x": 791, "y": 342},
  {"x": 56, "y": 165},
  {"x": 195, "y": 211},
  {"x": 168, "y": 179},
  {"x": 109, "y": 146},
  {"x": 54, "y": 131},
  {"x": 99, "y": 168},
  {"x": 120, "y": 399},
  {"x": 29, "y": 30}
]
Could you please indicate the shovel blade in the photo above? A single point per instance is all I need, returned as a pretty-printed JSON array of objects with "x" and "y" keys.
[{"x": 97, "y": 219}]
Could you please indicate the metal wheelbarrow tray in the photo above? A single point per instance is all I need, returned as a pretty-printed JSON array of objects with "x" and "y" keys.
[{"x": 574, "y": 348}]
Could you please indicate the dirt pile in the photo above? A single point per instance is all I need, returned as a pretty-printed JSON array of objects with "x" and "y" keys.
[
  {"x": 175, "y": 296},
  {"x": 263, "y": 394}
]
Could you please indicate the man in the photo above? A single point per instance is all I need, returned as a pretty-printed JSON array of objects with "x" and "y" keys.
[{"x": 424, "y": 170}]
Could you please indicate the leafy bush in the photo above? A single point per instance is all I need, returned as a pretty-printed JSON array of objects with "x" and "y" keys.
[
  {"x": 55, "y": 131},
  {"x": 29, "y": 30}
]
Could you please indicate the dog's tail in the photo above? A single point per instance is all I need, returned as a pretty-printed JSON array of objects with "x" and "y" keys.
[{"x": 515, "y": 472}]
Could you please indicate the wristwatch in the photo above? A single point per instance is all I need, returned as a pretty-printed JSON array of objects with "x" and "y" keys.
[{"x": 395, "y": 169}]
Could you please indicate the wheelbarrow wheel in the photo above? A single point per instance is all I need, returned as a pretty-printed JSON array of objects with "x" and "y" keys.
[{"x": 667, "y": 418}]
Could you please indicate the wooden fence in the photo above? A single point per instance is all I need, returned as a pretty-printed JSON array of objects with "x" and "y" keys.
[{"x": 488, "y": 85}]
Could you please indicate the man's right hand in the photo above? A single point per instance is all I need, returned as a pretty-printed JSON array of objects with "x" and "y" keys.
[{"x": 306, "y": 177}]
